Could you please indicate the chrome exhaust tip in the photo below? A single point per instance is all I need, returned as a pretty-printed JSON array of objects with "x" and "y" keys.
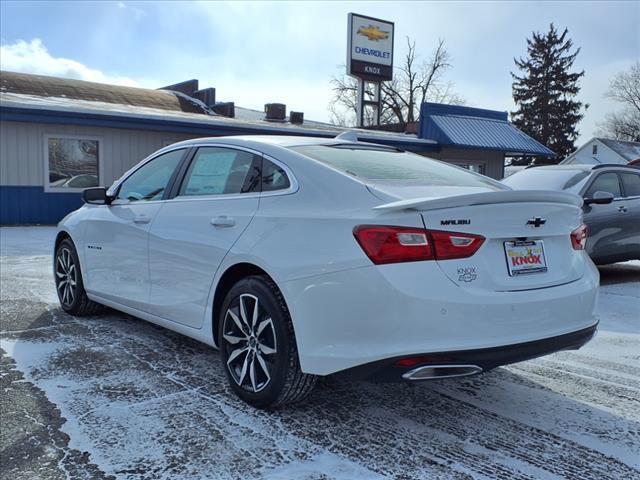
[{"x": 432, "y": 372}]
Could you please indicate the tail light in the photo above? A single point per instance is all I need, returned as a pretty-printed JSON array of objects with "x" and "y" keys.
[
  {"x": 579, "y": 237},
  {"x": 450, "y": 245},
  {"x": 389, "y": 244},
  {"x": 385, "y": 244}
]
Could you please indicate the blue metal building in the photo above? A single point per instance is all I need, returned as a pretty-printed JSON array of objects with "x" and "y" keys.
[{"x": 476, "y": 138}]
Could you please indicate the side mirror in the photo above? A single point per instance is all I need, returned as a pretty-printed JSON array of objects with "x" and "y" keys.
[
  {"x": 599, "y": 198},
  {"x": 96, "y": 196}
]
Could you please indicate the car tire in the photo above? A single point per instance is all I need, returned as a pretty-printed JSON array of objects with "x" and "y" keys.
[
  {"x": 69, "y": 286},
  {"x": 258, "y": 345}
]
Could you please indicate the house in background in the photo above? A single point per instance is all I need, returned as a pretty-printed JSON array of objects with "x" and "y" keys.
[{"x": 604, "y": 150}]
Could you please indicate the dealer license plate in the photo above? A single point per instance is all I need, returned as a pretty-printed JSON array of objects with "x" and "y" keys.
[{"x": 525, "y": 257}]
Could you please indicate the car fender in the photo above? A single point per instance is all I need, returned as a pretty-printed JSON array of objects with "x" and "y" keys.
[
  {"x": 231, "y": 259},
  {"x": 73, "y": 225}
]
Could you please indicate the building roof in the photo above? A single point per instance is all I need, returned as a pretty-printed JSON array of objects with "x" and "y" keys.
[
  {"x": 627, "y": 150},
  {"x": 71, "y": 111},
  {"x": 251, "y": 114},
  {"x": 466, "y": 127},
  {"x": 44, "y": 86}
]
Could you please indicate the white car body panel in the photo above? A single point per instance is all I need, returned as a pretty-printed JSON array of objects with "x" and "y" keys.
[
  {"x": 499, "y": 223},
  {"x": 416, "y": 311},
  {"x": 116, "y": 243},
  {"x": 346, "y": 311},
  {"x": 185, "y": 248}
]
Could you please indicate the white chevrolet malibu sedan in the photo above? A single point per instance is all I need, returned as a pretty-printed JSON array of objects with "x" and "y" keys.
[{"x": 300, "y": 257}]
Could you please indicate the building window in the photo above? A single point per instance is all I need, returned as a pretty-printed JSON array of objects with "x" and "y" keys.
[
  {"x": 480, "y": 168},
  {"x": 71, "y": 162},
  {"x": 594, "y": 150}
]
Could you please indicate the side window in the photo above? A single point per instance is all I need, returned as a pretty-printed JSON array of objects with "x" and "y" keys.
[
  {"x": 631, "y": 184},
  {"x": 273, "y": 177},
  {"x": 605, "y": 182},
  {"x": 150, "y": 181},
  {"x": 218, "y": 171}
]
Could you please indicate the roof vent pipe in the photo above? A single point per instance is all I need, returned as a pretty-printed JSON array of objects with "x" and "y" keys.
[
  {"x": 226, "y": 109},
  {"x": 296, "y": 117},
  {"x": 275, "y": 112},
  {"x": 206, "y": 96}
]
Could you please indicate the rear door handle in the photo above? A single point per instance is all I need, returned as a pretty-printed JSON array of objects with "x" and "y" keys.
[
  {"x": 223, "y": 221},
  {"x": 622, "y": 209},
  {"x": 141, "y": 219}
]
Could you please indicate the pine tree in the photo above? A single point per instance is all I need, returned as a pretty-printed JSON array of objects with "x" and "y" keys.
[{"x": 545, "y": 92}]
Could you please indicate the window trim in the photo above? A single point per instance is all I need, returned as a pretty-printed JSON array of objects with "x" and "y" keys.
[
  {"x": 293, "y": 187},
  {"x": 47, "y": 187}
]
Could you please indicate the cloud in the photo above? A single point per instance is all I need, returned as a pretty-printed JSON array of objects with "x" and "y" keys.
[
  {"x": 33, "y": 57},
  {"x": 137, "y": 12}
]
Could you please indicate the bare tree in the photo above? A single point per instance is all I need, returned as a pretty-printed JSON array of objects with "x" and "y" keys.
[
  {"x": 414, "y": 82},
  {"x": 625, "y": 89}
]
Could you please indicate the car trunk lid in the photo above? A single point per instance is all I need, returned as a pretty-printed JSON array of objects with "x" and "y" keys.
[{"x": 527, "y": 237}]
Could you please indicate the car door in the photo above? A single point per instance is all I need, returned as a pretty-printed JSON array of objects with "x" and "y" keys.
[
  {"x": 606, "y": 234},
  {"x": 193, "y": 231},
  {"x": 629, "y": 210},
  {"x": 117, "y": 235}
]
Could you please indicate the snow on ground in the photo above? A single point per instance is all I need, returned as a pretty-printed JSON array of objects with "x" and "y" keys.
[{"x": 144, "y": 402}]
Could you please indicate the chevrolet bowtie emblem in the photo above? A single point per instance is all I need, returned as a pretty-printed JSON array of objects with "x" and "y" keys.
[
  {"x": 373, "y": 33},
  {"x": 536, "y": 222}
]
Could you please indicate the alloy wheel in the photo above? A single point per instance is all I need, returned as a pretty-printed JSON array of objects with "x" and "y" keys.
[
  {"x": 66, "y": 277},
  {"x": 250, "y": 341}
]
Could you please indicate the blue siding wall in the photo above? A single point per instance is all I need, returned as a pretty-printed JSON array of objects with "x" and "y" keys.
[{"x": 32, "y": 205}]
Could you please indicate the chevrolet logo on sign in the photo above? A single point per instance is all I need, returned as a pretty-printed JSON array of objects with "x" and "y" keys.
[{"x": 373, "y": 33}]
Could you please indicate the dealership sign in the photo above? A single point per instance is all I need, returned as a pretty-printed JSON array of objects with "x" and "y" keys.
[{"x": 370, "y": 48}]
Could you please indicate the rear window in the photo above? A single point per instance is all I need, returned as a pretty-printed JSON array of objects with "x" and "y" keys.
[
  {"x": 388, "y": 164},
  {"x": 545, "y": 179}
]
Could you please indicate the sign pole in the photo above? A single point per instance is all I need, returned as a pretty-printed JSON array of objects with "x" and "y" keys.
[{"x": 360, "y": 104}]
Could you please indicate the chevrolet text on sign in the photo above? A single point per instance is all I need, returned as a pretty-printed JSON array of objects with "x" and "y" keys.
[{"x": 370, "y": 49}]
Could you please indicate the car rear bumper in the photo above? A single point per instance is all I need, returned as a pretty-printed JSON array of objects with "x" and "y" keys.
[
  {"x": 466, "y": 362},
  {"x": 361, "y": 316}
]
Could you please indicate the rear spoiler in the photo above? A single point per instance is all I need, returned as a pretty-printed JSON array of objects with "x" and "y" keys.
[{"x": 486, "y": 198}]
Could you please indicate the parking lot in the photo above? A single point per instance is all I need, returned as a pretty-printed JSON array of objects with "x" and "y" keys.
[{"x": 112, "y": 396}]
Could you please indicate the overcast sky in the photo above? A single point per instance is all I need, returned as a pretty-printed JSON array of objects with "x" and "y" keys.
[{"x": 254, "y": 53}]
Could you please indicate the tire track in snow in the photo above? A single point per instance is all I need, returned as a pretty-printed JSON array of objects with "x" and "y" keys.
[
  {"x": 531, "y": 446},
  {"x": 563, "y": 379}
]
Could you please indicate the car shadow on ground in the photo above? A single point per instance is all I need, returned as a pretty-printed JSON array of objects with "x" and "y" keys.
[
  {"x": 619, "y": 273},
  {"x": 125, "y": 385}
]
